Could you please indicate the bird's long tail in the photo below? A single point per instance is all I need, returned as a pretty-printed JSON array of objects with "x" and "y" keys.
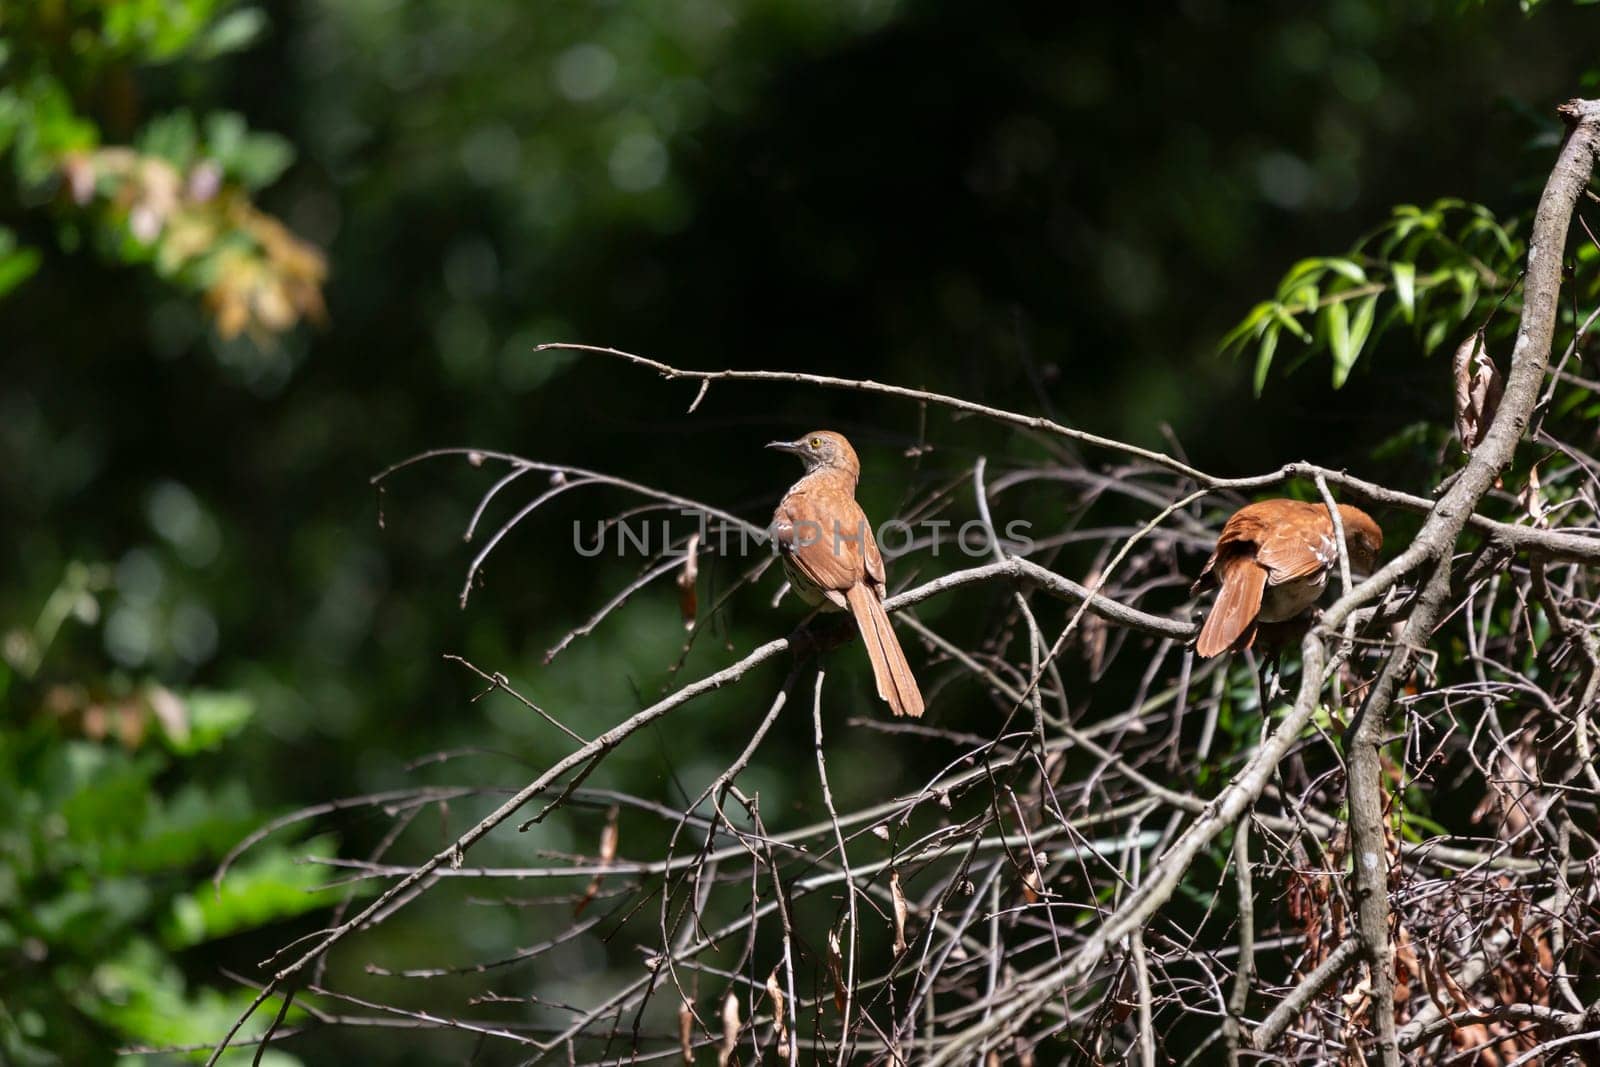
[
  {"x": 896, "y": 685},
  {"x": 1233, "y": 616}
]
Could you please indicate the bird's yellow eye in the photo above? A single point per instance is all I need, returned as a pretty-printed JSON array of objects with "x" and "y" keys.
[{"x": 816, "y": 442}]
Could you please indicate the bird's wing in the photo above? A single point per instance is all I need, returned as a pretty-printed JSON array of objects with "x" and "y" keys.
[
  {"x": 873, "y": 560},
  {"x": 824, "y": 542},
  {"x": 1298, "y": 545},
  {"x": 1239, "y": 537}
]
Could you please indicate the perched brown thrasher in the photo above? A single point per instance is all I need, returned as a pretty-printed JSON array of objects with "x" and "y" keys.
[
  {"x": 1272, "y": 563},
  {"x": 832, "y": 560}
]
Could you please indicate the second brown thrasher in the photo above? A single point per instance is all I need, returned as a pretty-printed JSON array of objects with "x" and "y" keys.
[
  {"x": 1272, "y": 562},
  {"x": 833, "y": 562}
]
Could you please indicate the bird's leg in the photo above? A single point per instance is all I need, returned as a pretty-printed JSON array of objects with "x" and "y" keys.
[
  {"x": 814, "y": 637},
  {"x": 1272, "y": 678},
  {"x": 802, "y": 641},
  {"x": 1265, "y": 667},
  {"x": 1273, "y": 639},
  {"x": 1258, "y": 672},
  {"x": 831, "y": 635}
]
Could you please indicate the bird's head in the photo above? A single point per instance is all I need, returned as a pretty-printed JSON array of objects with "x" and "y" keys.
[
  {"x": 822, "y": 450},
  {"x": 1363, "y": 539}
]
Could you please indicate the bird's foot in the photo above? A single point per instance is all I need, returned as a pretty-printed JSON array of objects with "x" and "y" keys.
[{"x": 814, "y": 636}]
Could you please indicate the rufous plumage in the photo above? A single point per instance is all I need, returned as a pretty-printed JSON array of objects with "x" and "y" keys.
[
  {"x": 832, "y": 560},
  {"x": 1271, "y": 564}
]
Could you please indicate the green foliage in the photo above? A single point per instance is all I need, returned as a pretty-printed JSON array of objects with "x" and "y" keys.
[
  {"x": 1530, "y": 6},
  {"x": 932, "y": 183},
  {"x": 253, "y": 160},
  {"x": 108, "y": 832},
  {"x": 177, "y": 199},
  {"x": 275, "y": 883},
  {"x": 143, "y": 993},
  {"x": 17, "y": 264},
  {"x": 105, "y": 32},
  {"x": 1429, "y": 269}
]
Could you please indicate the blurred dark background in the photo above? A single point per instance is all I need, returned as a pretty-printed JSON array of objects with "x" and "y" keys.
[{"x": 1050, "y": 208}]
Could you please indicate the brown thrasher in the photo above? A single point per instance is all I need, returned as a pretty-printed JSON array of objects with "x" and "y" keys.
[
  {"x": 1272, "y": 562},
  {"x": 832, "y": 560}
]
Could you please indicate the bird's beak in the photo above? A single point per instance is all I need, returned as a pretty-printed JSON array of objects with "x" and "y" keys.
[{"x": 795, "y": 447}]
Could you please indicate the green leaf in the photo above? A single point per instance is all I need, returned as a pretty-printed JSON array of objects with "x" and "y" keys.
[
  {"x": 1563, "y": 406},
  {"x": 1253, "y": 321},
  {"x": 1405, "y": 288},
  {"x": 1338, "y": 322},
  {"x": 262, "y": 159},
  {"x": 1467, "y": 281},
  {"x": 142, "y": 993},
  {"x": 184, "y": 829},
  {"x": 48, "y": 129},
  {"x": 1290, "y": 323},
  {"x": 275, "y": 884},
  {"x": 173, "y": 137},
  {"x": 233, "y": 32},
  {"x": 17, "y": 267},
  {"x": 1435, "y": 335},
  {"x": 213, "y": 718},
  {"x": 1347, "y": 334},
  {"x": 154, "y": 31},
  {"x": 225, "y": 132},
  {"x": 253, "y": 159},
  {"x": 1348, "y": 268},
  {"x": 1409, "y": 440},
  {"x": 1415, "y": 823},
  {"x": 1306, "y": 270},
  {"x": 12, "y": 115},
  {"x": 1269, "y": 344},
  {"x": 1304, "y": 298},
  {"x": 1361, "y": 324}
]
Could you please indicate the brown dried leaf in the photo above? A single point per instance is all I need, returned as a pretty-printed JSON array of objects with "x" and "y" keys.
[
  {"x": 1476, "y": 1036},
  {"x": 1532, "y": 498},
  {"x": 608, "y": 837},
  {"x": 1478, "y": 390},
  {"x": 608, "y": 855},
  {"x": 1451, "y": 986},
  {"x": 730, "y": 1030},
  {"x": 686, "y": 1030},
  {"x": 780, "y": 1028},
  {"x": 1545, "y": 957},
  {"x": 836, "y": 970},
  {"x": 1430, "y": 982},
  {"x": 1122, "y": 997},
  {"x": 96, "y": 722},
  {"x": 1297, "y": 899},
  {"x": 1092, "y": 630},
  {"x": 1504, "y": 798},
  {"x": 1406, "y": 966},
  {"x": 688, "y": 601},
  {"x": 132, "y": 723},
  {"x": 899, "y": 898},
  {"x": 1032, "y": 884}
]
